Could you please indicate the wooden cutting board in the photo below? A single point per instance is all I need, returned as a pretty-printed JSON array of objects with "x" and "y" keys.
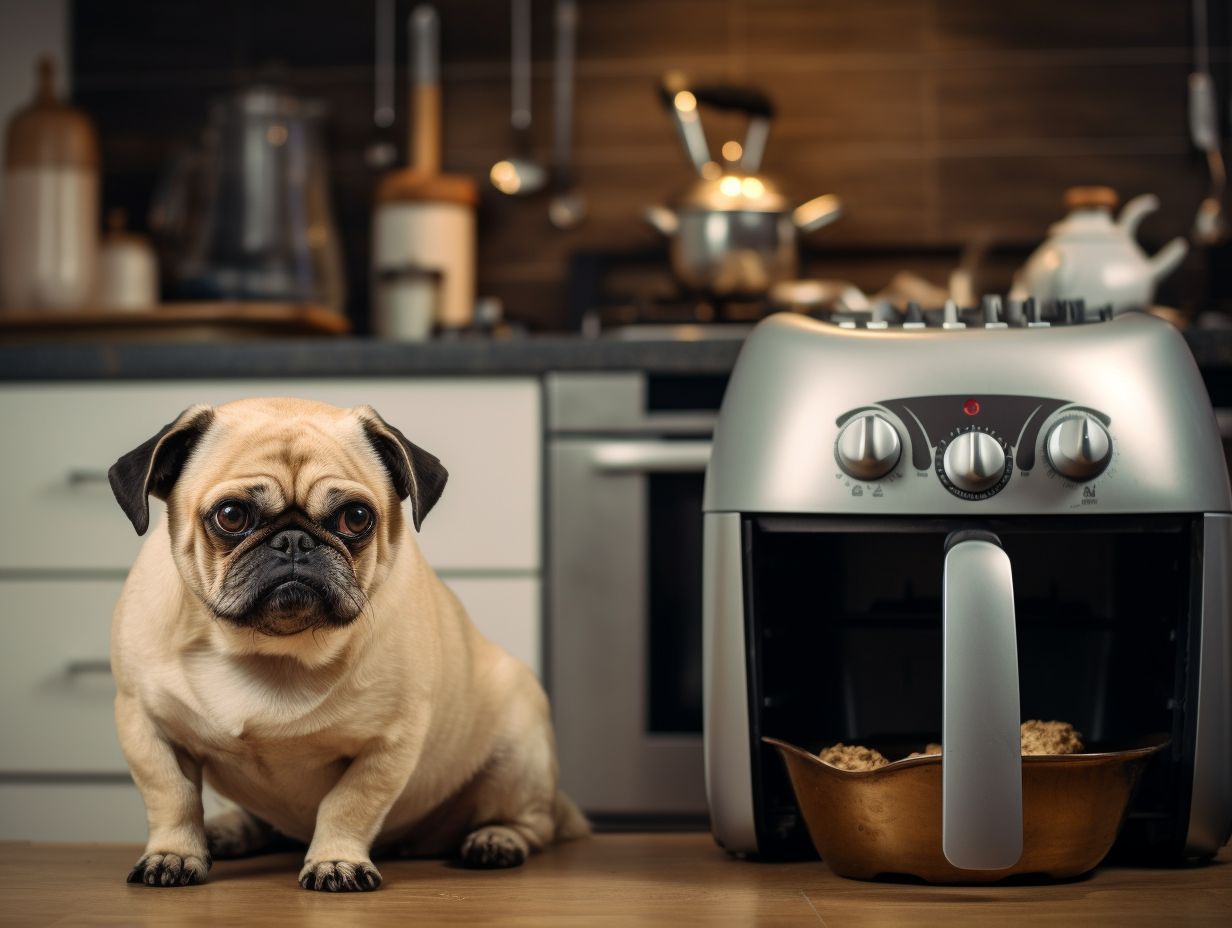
[{"x": 178, "y": 322}]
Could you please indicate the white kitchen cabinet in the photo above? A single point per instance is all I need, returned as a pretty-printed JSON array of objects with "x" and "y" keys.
[
  {"x": 61, "y": 439},
  {"x": 106, "y": 812},
  {"x": 55, "y": 679},
  {"x": 110, "y": 812},
  {"x": 507, "y": 610}
]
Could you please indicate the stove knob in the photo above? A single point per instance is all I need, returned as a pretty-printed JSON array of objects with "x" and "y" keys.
[
  {"x": 1079, "y": 447},
  {"x": 974, "y": 461},
  {"x": 868, "y": 447}
]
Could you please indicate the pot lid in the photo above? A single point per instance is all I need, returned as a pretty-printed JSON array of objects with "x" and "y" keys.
[
  {"x": 735, "y": 192},
  {"x": 49, "y": 132}
]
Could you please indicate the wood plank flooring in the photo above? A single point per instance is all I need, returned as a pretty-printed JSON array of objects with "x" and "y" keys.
[{"x": 664, "y": 879}]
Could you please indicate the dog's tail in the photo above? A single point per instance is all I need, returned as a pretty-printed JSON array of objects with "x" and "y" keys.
[{"x": 570, "y": 822}]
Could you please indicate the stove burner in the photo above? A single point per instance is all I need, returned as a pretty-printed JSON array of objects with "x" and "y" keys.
[{"x": 988, "y": 315}]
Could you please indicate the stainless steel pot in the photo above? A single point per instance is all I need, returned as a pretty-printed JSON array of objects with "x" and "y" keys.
[{"x": 733, "y": 232}]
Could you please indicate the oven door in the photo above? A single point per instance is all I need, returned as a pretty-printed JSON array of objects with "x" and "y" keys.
[{"x": 625, "y": 624}]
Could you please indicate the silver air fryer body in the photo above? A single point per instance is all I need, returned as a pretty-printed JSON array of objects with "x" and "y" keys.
[{"x": 907, "y": 530}]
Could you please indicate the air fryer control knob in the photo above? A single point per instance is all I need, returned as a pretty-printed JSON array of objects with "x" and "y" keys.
[
  {"x": 975, "y": 462},
  {"x": 1079, "y": 447},
  {"x": 868, "y": 447}
]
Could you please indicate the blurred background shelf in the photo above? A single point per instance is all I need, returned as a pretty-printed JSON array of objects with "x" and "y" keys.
[{"x": 179, "y": 322}]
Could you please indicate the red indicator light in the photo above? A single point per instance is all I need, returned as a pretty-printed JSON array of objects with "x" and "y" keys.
[{"x": 971, "y": 407}]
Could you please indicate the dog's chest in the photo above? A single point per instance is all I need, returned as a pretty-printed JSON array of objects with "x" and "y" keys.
[{"x": 250, "y": 718}]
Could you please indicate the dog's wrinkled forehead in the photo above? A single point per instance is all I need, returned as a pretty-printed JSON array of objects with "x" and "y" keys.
[{"x": 290, "y": 453}]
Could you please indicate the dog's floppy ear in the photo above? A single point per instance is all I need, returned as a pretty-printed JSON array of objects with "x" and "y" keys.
[
  {"x": 415, "y": 473},
  {"x": 153, "y": 466}
]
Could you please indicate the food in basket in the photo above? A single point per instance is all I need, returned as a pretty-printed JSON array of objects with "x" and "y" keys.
[
  {"x": 852, "y": 757},
  {"x": 1050, "y": 738},
  {"x": 1036, "y": 737}
]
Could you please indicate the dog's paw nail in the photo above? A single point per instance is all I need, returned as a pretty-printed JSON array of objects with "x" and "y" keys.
[
  {"x": 493, "y": 848},
  {"x": 340, "y": 876},
  {"x": 170, "y": 870}
]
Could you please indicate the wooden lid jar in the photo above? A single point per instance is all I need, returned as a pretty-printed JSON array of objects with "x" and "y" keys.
[
  {"x": 49, "y": 132},
  {"x": 49, "y": 227}
]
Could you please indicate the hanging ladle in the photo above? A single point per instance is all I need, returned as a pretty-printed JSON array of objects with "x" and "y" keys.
[{"x": 519, "y": 174}]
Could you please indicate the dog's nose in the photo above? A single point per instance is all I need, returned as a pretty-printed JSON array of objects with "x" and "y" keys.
[{"x": 292, "y": 540}]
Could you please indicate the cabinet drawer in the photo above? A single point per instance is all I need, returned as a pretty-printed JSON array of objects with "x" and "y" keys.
[
  {"x": 507, "y": 610},
  {"x": 62, "y": 439},
  {"x": 55, "y": 681},
  {"x": 58, "y": 692},
  {"x": 57, "y": 811},
  {"x": 105, "y": 812}
]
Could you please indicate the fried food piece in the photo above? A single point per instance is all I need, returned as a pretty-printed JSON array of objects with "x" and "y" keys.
[
  {"x": 1036, "y": 737},
  {"x": 1049, "y": 738},
  {"x": 852, "y": 757}
]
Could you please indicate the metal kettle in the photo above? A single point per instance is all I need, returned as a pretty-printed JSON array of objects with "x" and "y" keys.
[{"x": 733, "y": 233}]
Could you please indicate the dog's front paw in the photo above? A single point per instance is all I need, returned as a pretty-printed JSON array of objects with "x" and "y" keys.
[
  {"x": 494, "y": 847},
  {"x": 340, "y": 876},
  {"x": 162, "y": 869}
]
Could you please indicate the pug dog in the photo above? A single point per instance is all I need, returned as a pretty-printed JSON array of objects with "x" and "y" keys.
[{"x": 281, "y": 638}]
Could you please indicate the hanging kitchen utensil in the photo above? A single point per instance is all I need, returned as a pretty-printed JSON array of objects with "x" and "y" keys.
[
  {"x": 520, "y": 174},
  {"x": 423, "y": 220},
  {"x": 733, "y": 233},
  {"x": 1210, "y": 223},
  {"x": 567, "y": 207},
  {"x": 382, "y": 152}
]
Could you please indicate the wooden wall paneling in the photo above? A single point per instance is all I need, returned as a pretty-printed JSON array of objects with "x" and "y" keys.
[{"x": 935, "y": 121}]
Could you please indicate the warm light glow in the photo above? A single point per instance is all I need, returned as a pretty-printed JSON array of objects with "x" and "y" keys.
[
  {"x": 730, "y": 186},
  {"x": 685, "y": 102},
  {"x": 276, "y": 134},
  {"x": 753, "y": 188},
  {"x": 711, "y": 170},
  {"x": 732, "y": 150},
  {"x": 504, "y": 177}
]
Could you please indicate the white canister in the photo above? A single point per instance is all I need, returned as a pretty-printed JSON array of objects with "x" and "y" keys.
[
  {"x": 127, "y": 269},
  {"x": 428, "y": 222},
  {"x": 406, "y": 303},
  {"x": 49, "y": 233}
]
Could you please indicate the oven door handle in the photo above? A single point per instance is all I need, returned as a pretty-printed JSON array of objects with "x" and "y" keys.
[{"x": 650, "y": 457}]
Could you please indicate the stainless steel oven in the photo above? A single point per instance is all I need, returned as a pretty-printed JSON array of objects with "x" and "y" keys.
[{"x": 627, "y": 454}]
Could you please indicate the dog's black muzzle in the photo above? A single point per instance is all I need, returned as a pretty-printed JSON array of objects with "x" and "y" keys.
[{"x": 290, "y": 581}]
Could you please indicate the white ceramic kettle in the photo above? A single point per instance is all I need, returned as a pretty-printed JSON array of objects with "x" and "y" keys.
[{"x": 1090, "y": 257}]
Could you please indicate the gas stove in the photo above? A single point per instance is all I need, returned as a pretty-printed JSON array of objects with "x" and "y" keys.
[{"x": 992, "y": 313}]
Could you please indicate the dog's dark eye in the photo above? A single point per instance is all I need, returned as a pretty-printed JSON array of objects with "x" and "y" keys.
[
  {"x": 353, "y": 520},
  {"x": 232, "y": 517}
]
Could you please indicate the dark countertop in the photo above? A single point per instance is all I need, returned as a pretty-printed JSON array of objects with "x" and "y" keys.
[
  {"x": 360, "y": 357},
  {"x": 367, "y": 357}
]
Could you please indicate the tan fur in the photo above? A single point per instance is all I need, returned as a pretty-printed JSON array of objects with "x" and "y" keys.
[{"x": 405, "y": 728}]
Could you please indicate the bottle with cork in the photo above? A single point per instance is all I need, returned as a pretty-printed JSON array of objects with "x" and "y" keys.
[{"x": 49, "y": 236}]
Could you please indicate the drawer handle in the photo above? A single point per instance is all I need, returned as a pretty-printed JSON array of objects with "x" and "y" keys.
[
  {"x": 651, "y": 457},
  {"x": 85, "y": 476},
  {"x": 87, "y": 666}
]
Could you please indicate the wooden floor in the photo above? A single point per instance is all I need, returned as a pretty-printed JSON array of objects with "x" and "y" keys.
[{"x": 676, "y": 880}]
